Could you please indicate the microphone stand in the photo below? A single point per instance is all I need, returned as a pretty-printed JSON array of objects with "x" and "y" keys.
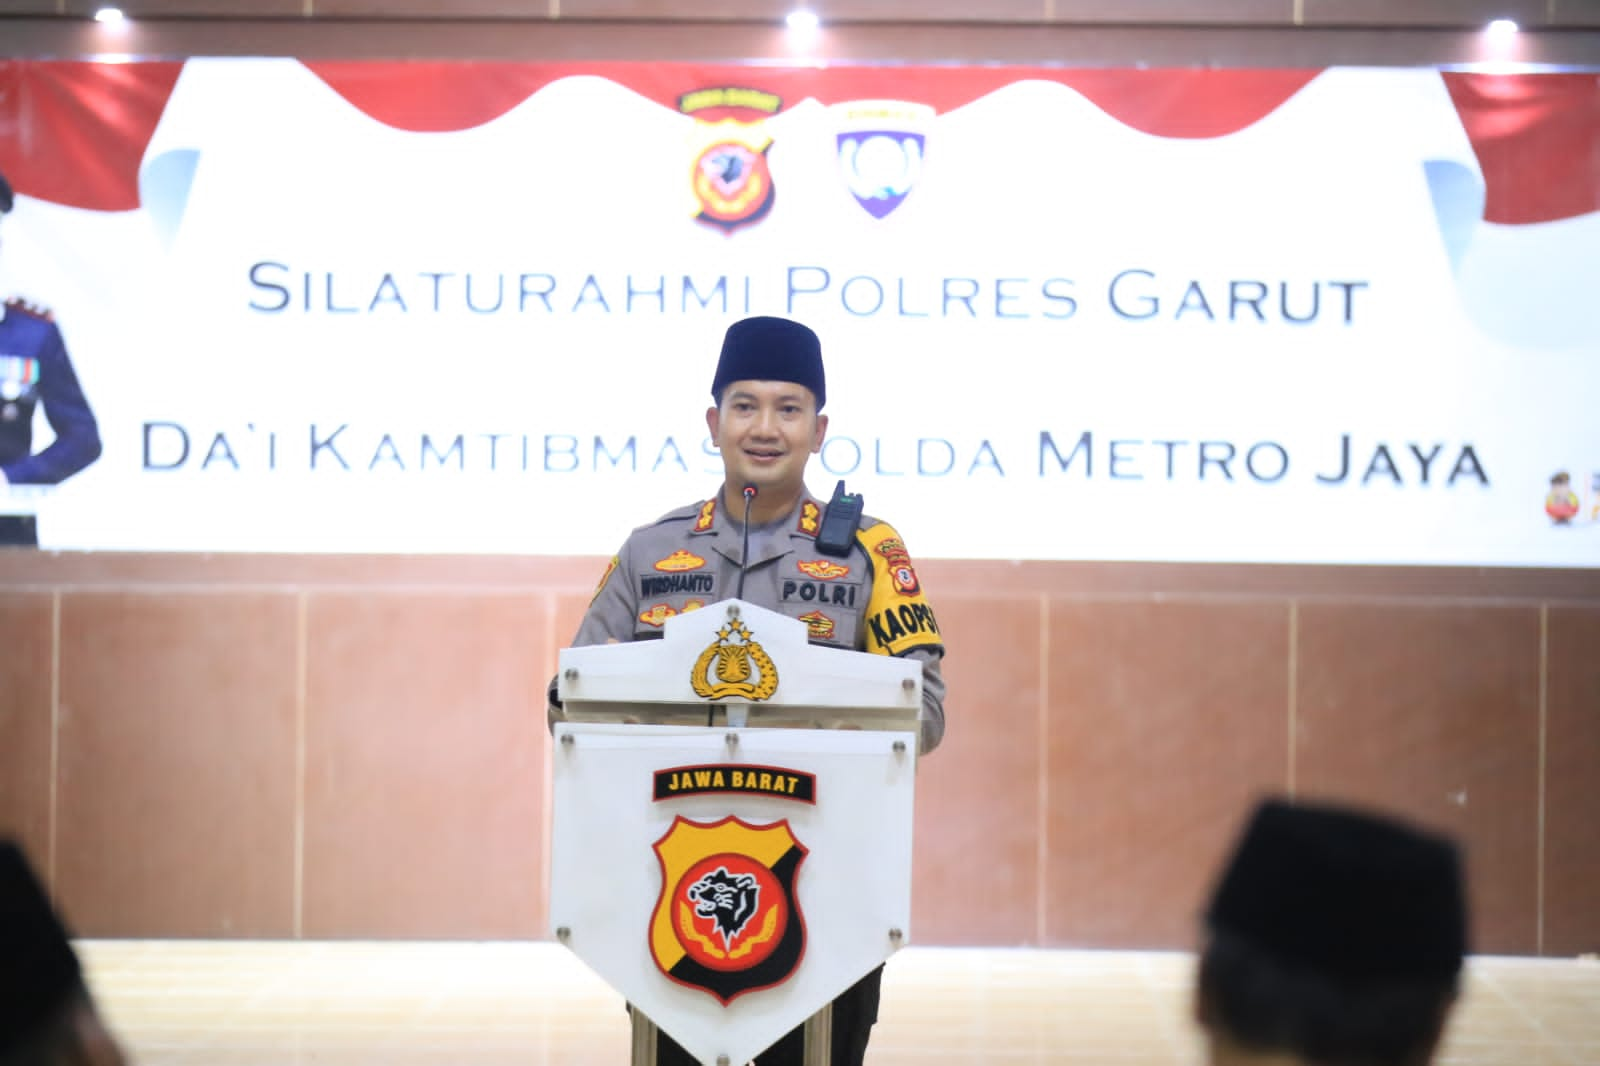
[
  {"x": 744, "y": 550},
  {"x": 744, "y": 566}
]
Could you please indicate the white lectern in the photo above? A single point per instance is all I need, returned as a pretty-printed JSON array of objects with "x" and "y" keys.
[{"x": 732, "y": 826}]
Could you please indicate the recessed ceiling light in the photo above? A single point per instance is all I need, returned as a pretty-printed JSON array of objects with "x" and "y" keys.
[
  {"x": 1501, "y": 28},
  {"x": 109, "y": 14},
  {"x": 802, "y": 20}
]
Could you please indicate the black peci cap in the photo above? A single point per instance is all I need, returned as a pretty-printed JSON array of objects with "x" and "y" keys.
[
  {"x": 1351, "y": 895},
  {"x": 770, "y": 349},
  {"x": 38, "y": 969}
]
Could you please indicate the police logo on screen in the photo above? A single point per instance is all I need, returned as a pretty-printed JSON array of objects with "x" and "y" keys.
[
  {"x": 728, "y": 921},
  {"x": 881, "y": 146},
  {"x": 731, "y": 179}
]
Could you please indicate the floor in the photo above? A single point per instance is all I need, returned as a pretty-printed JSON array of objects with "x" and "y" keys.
[{"x": 486, "y": 1004}]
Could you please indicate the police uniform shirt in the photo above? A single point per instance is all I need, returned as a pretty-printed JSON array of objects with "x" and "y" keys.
[{"x": 871, "y": 600}]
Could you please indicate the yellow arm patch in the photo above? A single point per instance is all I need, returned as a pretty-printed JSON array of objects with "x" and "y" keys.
[
  {"x": 898, "y": 616},
  {"x": 612, "y": 565}
]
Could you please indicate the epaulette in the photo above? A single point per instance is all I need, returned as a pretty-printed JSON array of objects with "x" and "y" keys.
[
  {"x": 865, "y": 530},
  {"x": 16, "y": 303},
  {"x": 702, "y": 514}
]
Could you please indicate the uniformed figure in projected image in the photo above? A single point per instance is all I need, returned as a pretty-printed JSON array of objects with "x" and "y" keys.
[{"x": 35, "y": 371}]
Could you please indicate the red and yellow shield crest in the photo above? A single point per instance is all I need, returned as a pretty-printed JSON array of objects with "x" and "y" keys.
[{"x": 728, "y": 921}]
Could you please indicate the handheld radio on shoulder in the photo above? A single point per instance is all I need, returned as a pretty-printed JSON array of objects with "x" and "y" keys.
[{"x": 840, "y": 520}]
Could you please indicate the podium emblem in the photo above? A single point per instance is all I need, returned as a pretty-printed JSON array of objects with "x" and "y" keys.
[
  {"x": 734, "y": 665},
  {"x": 728, "y": 921}
]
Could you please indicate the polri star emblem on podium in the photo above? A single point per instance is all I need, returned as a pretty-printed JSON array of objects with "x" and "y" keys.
[
  {"x": 734, "y": 665},
  {"x": 728, "y": 920}
]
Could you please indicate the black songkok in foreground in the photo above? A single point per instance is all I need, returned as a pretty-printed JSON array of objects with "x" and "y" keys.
[
  {"x": 1353, "y": 896},
  {"x": 770, "y": 349},
  {"x": 38, "y": 969}
]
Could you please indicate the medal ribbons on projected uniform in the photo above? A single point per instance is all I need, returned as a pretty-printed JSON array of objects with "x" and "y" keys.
[{"x": 19, "y": 370}]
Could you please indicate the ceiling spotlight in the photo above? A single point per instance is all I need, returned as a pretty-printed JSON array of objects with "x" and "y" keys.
[
  {"x": 110, "y": 15},
  {"x": 1501, "y": 28},
  {"x": 802, "y": 20}
]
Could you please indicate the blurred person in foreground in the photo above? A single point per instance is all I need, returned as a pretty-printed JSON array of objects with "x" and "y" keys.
[
  {"x": 46, "y": 1015},
  {"x": 1333, "y": 938}
]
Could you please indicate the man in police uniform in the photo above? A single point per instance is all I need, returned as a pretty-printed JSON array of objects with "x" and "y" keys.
[
  {"x": 769, "y": 390},
  {"x": 1333, "y": 937},
  {"x": 34, "y": 370},
  {"x": 46, "y": 1015}
]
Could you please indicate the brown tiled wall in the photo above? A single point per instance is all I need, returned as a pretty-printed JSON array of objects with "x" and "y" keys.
[{"x": 260, "y": 746}]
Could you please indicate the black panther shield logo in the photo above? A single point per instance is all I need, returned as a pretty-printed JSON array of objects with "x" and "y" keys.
[{"x": 727, "y": 921}]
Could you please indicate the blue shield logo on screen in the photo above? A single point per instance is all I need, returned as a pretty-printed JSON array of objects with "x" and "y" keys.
[{"x": 882, "y": 145}]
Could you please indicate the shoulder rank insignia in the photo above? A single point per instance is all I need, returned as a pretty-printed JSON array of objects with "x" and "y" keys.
[
  {"x": 18, "y": 304},
  {"x": 678, "y": 561},
  {"x": 708, "y": 515},
  {"x": 810, "y": 518}
]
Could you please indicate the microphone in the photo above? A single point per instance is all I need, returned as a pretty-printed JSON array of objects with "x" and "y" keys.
[{"x": 744, "y": 551}]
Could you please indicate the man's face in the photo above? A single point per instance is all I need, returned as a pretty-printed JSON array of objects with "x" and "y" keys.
[{"x": 767, "y": 430}]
